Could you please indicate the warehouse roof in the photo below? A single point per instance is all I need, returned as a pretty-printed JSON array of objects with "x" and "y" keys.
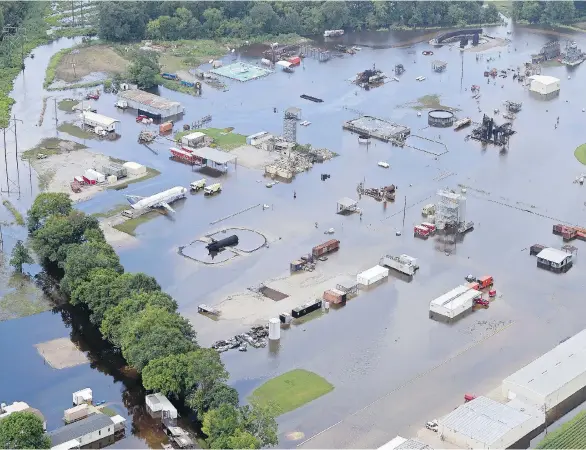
[
  {"x": 217, "y": 156},
  {"x": 544, "y": 79},
  {"x": 98, "y": 118},
  {"x": 347, "y": 202},
  {"x": 551, "y": 371},
  {"x": 146, "y": 98},
  {"x": 484, "y": 420},
  {"x": 80, "y": 428},
  {"x": 456, "y": 297},
  {"x": 553, "y": 255}
]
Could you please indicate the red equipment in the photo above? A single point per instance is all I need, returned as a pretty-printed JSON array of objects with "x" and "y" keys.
[
  {"x": 474, "y": 285},
  {"x": 422, "y": 232},
  {"x": 482, "y": 302},
  {"x": 429, "y": 226},
  {"x": 485, "y": 281},
  {"x": 492, "y": 293},
  {"x": 330, "y": 246},
  {"x": 469, "y": 397},
  {"x": 141, "y": 118},
  {"x": 92, "y": 96}
]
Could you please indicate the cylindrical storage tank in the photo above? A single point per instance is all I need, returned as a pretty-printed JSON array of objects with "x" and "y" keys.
[
  {"x": 327, "y": 305},
  {"x": 274, "y": 329},
  {"x": 440, "y": 118}
]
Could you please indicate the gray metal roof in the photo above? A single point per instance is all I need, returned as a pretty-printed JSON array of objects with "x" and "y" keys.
[
  {"x": 148, "y": 99},
  {"x": 214, "y": 155},
  {"x": 412, "y": 444},
  {"x": 483, "y": 420},
  {"x": 553, "y": 255},
  {"x": 347, "y": 202},
  {"x": 75, "y": 430},
  {"x": 548, "y": 373}
]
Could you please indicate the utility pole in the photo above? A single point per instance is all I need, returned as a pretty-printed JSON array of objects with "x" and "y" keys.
[
  {"x": 72, "y": 13},
  {"x": 1, "y": 240},
  {"x": 56, "y": 119},
  {"x": 404, "y": 212},
  {"x": 16, "y": 152},
  {"x": 6, "y": 161}
]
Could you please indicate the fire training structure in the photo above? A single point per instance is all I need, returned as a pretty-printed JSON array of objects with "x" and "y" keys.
[
  {"x": 450, "y": 210},
  {"x": 490, "y": 133}
]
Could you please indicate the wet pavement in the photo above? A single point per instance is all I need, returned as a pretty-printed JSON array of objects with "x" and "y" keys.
[{"x": 382, "y": 345}]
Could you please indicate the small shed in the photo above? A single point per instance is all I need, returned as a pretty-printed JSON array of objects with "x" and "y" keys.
[
  {"x": 76, "y": 413},
  {"x": 92, "y": 176},
  {"x": 134, "y": 169},
  {"x": 119, "y": 423},
  {"x": 348, "y": 286},
  {"x": 285, "y": 65},
  {"x": 555, "y": 260},
  {"x": 83, "y": 396},
  {"x": 160, "y": 406},
  {"x": 347, "y": 205},
  {"x": 196, "y": 139}
]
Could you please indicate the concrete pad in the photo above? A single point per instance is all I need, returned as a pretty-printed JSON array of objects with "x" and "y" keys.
[{"x": 61, "y": 353}]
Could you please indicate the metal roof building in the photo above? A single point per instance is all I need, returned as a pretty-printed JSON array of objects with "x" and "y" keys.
[
  {"x": 553, "y": 378},
  {"x": 544, "y": 85},
  {"x": 554, "y": 260},
  {"x": 150, "y": 104},
  {"x": 400, "y": 443},
  {"x": 485, "y": 423},
  {"x": 98, "y": 120},
  {"x": 84, "y": 431}
]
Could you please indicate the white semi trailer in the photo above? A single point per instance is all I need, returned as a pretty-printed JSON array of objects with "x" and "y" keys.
[{"x": 404, "y": 263}]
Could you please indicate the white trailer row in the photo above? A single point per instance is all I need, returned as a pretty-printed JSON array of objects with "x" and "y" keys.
[
  {"x": 372, "y": 275},
  {"x": 455, "y": 302},
  {"x": 403, "y": 263}
]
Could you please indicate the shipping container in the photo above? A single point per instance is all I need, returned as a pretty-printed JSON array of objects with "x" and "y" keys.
[
  {"x": 76, "y": 413},
  {"x": 335, "y": 296},
  {"x": 303, "y": 310},
  {"x": 429, "y": 226},
  {"x": 372, "y": 275},
  {"x": 535, "y": 249},
  {"x": 166, "y": 127},
  {"x": 296, "y": 265},
  {"x": 403, "y": 263},
  {"x": 327, "y": 247},
  {"x": 295, "y": 60}
]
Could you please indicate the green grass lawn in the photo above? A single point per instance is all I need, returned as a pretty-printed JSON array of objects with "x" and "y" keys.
[
  {"x": 75, "y": 131},
  {"x": 290, "y": 390},
  {"x": 570, "y": 435},
  {"x": 580, "y": 154},
  {"x": 223, "y": 138},
  {"x": 129, "y": 226},
  {"x": 17, "y": 215}
]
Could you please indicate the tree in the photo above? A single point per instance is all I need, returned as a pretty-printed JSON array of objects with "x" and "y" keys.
[
  {"x": 220, "y": 424},
  {"x": 122, "y": 21},
  {"x": 19, "y": 256},
  {"x": 531, "y": 11},
  {"x": 219, "y": 394},
  {"x": 23, "y": 430},
  {"x": 81, "y": 259},
  {"x": 45, "y": 205},
  {"x": 155, "y": 333},
  {"x": 115, "y": 318},
  {"x": 263, "y": 16},
  {"x": 51, "y": 241},
  {"x": 335, "y": 15},
  {"x": 260, "y": 422},
  {"x": 243, "y": 439},
  {"x": 144, "y": 69}
]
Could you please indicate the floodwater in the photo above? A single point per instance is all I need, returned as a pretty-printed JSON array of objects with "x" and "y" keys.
[{"x": 392, "y": 367}]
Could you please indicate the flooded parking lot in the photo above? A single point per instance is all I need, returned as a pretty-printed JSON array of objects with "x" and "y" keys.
[{"x": 380, "y": 350}]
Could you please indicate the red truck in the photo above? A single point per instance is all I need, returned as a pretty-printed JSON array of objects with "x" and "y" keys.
[
  {"x": 422, "y": 232},
  {"x": 327, "y": 247},
  {"x": 485, "y": 282}
]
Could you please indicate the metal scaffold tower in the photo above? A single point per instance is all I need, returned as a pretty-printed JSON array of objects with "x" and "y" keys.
[
  {"x": 292, "y": 115},
  {"x": 450, "y": 210}
]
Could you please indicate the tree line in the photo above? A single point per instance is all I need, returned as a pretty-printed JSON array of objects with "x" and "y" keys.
[
  {"x": 173, "y": 20},
  {"x": 549, "y": 13},
  {"x": 143, "y": 324}
]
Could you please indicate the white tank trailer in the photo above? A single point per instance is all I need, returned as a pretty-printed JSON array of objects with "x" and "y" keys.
[{"x": 403, "y": 263}]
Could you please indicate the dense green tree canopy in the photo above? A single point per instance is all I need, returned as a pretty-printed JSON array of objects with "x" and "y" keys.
[
  {"x": 144, "y": 69},
  {"x": 20, "y": 256},
  {"x": 547, "y": 12},
  {"x": 244, "y": 19},
  {"x": 45, "y": 205},
  {"x": 23, "y": 430}
]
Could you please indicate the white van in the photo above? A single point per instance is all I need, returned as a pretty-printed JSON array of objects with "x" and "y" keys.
[
  {"x": 212, "y": 189},
  {"x": 198, "y": 185}
]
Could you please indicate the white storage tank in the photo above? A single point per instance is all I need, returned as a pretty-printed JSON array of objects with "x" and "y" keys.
[{"x": 274, "y": 329}]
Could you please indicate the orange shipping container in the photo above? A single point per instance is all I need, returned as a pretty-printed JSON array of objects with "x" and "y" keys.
[
  {"x": 165, "y": 127},
  {"x": 335, "y": 296}
]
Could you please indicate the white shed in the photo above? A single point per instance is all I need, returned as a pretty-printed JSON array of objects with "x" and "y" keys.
[
  {"x": 455, "y": 302},
  {"x": 485, "y": 423},
  {"x": 196, "y": 139},
  {"x": 372, "y": 275},
  {"x": 82, "y": 396},
  {"x": 160, "y": 405},
  {"x": 553, "y": 378},
  {"x": 134, "y": 169},
  {"x": 544, "y": 85}
]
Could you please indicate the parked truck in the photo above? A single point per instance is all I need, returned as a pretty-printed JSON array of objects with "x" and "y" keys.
[
  {"x": 327, "y": 247},
  {"x": 212, "y": 189},
  {"x": 169, "y": 76}
]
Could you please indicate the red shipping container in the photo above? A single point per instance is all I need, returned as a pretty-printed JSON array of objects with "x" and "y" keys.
[
  {"x": 335, "y": 296},
  {"x": 295, "y": 60},
  {"x": 88, "y": 181},
  {"x": 327, "y": 247}
]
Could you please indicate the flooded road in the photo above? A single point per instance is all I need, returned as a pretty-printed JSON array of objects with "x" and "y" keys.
[{"x": 381, "y": 350}]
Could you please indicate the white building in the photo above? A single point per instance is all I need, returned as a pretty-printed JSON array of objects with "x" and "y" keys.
[
  {"x": 99, "y": 121},
  {"x": 544, "y": 85},
  {"x": 372, "y": 275},
  {"x": 82, "y": 433},
  {"x": 551, "y": 381},
  {"x": 455, "y": 302},
  {"x": 160, "y": 406},
  {"x": 554, "y": 260},
  {"x": 151, "y": 105},
  {"x": 258, "y": 138},
  {"x": 196, "y": 139},
  {"x": 82, "y": 396},
  {"x": 485, "y": 423},
  {"x": 134, "y": 169}
]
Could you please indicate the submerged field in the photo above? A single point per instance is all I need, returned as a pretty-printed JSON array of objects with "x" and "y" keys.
[{"x": 570, "y": 435}]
